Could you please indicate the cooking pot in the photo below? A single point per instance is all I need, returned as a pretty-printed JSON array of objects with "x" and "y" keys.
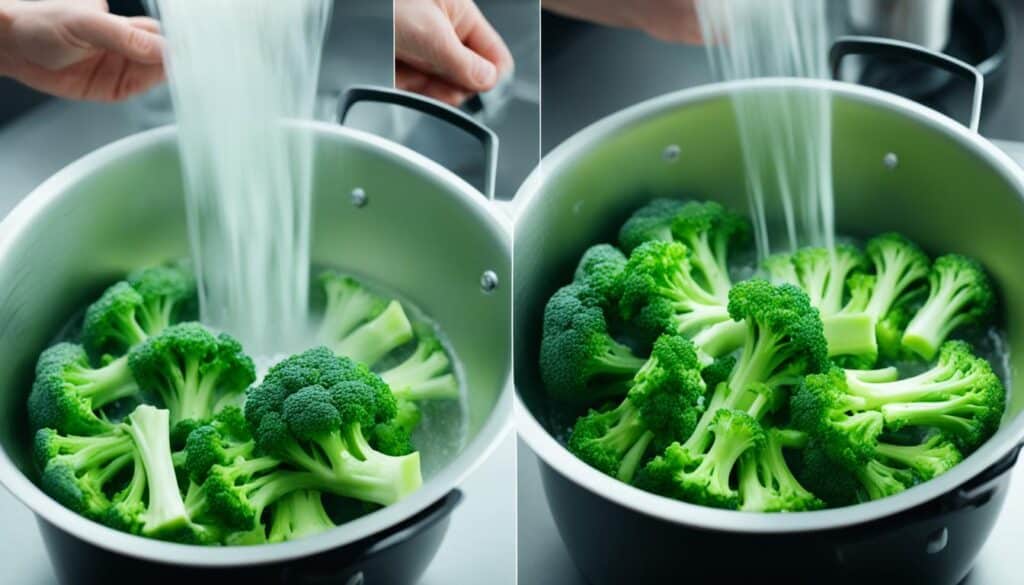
[
  {"x": 380, "y": 211},
  {"x": 897, "y": 166}
]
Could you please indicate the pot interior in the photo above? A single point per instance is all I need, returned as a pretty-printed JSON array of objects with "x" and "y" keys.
[
  {"x": 947, "y": 193},
  {"x": 420, "y": 234}
]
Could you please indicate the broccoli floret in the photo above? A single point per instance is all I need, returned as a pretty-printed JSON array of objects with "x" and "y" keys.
[
  {"x": 425, "y": 374},
  {"x": 960, "y": 293},
  {"x": 651, "y": 222},
  {"x": 662, "y": 406},
  {"x": 579, "y": 360},
  {"x": 194, "y": 372},
  {"x": 298, "y": 515},
  {"x": 217, "y": 443},
  {"x": 68, "y": 392},
  {"x": 766, "y": 483},
  {"x": 310, "y": 411},
  {"x": 236, "y": 494},
  {"x": 930, "y": 458},
  {"x": 843, "y": 483},
  {"x": 349, "y": 305},
  {"x": 112, "y": 324},
  {"x": 784, "y": 340},
  {"x": 890, "y": 328},
  {"x": 659, "y": 291},
  {"x": 709, "y": 482},
  {"x": 600, "y": 269},
  {"x": 718, "y": 371},
  {"x": 900, "y": 266},
  {"x": 841, "y": 422},
  {"x": 79, "y": 471},
  {"x": 780, "y": 270},
  {"x": 378, "y": 337},
  {"x": 168, "y": 292},
  {"x": 709, "y": 231},
  {"x": 165, "y": 512},
  {"x": 823, "y": 274}
]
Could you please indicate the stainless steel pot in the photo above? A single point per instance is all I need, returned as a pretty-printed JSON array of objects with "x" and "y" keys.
[
  {"x": 897, "y": 166},
  {"x": 380, "y": 210}
]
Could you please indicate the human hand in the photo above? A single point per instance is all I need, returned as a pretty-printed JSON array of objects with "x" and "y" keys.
[
  {"x": 673, "y": 21},
  {"x": 447, "y": 50},
  {"x": 77, "y": 49}
]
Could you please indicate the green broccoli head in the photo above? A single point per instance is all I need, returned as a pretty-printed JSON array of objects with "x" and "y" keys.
[
  {"x": 79, "y": 471},
  {"x": 579, "y": 359},
  {"x": 112, "y": 324},
  {"x": 218, "y": 442},
  {"x": 960, "y": 293},
  {"x": 194, "y": 371},
  {"x": 311, "y": 411},
  {"x": 651, "y": 222},
  {"x": 824, "y": 408},
  {"x": 601, "y": 269},
  {"x": 68, "y": 392},
  {"x": 710, "y": 231},
  {"x": 349, "y": 305},
  {"x": 660, "y": 293},
  {"x": 168, "y": 294},
  {"x": 785, "y": 338}
]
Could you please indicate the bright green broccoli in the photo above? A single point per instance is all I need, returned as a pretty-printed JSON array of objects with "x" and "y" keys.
[
  {"x": 766, "y": 483},
  {"x": 112, "y": 324},
  {"x": 709, "y": 231},
  {"x": 600, "y": 269},
  {"x": 930, "y": 458},
  {"x": 349, "y": 305},
  {"x": 218, "y": 442},
  {"x": 168, "y": 294},
  {"x": 193, "y": 371},
  {"x": 310, "y": 411},
  {"x": 298, "y": 515},
  {"x": 709, "y": 482},
  {"x": 378, "y": 337},
  {"x": 425, "y": 374},
  {"x": 67, "y": 392},
  {"x": 662, "y": 406},
  {"x": 900, "y": 266},
  {"x": 579, "y": 359},
  {"x": 960, "y": 293},
  {"x": 652, "y": 222}
]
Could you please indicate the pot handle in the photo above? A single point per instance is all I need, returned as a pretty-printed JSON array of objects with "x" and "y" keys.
[
  {"x": 979, "y": 488},
  {"x": 882, "y": 47},
  {"x": 430, "y": 107}
]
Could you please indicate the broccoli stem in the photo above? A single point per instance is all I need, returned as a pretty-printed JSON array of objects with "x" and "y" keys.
[
  {"x": 130, "y": 333},
  {"x": 104, "y": 385},
  {"x": 850, "y": 334},
  {"x": 925, "y": 386},
  {"x": 719, "y": 340},
  {"x": 953, "y": 415},
  {"x": 758, "y": 359},
  {"x": 890, "y": 374},
  {"x": 417, "y": 368},
  {"x": 150, "y": 429},
  {"x": 939, "y": 316},
  {"x": 879, "y": 480},
  {"x": 619, "y": 360},
  {"x": 631, "y": 461},
  {"x": 297, "y": 515},
  {"x": 156, "y": 316},
  {"x": 693, "y": 319},
  {"x": 372, "y": 341},
  {"x": 712, "y": 263},
  {"x": 441, "y": 388},
  {"x": 348, "y": 306},
  {"x": 716, "y": 466}
]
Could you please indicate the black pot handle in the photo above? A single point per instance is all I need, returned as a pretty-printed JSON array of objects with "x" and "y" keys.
[
  {"x": 882, "y": 47},
  {"x": 352, "y": 574},
  {"x": 979, "y": 488},
  {"x": 430, "y": 107}
]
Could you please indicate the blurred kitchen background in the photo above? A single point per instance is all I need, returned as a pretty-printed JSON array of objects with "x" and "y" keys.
[{"x": 589, "y": 72}]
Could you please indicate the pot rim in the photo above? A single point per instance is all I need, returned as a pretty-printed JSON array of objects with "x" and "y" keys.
[
  {"x": 555, "y": 455},
  {"x": 434, "y": 489}
]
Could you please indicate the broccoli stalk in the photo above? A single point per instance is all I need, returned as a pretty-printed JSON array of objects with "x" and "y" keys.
[
  {"x": 960, "y": 293},
  {"x": 931, "y": 458},
  {"x": 899, "y": 267},
  {"x": 766, "y": 483},
  {"x": 661, "y": 407},
  {"x": 349, "y": 304},
  {"x": 192, "y": 370},
  {"x": 424, "y": 375},
  {"x": 298, "y": 515},
  {"x": 579, "y": 360},
  {"x": 373, "y": 340},
  {"x": 150, "y": 430},
  {"x": 236, "y": 494},
  {"x": 78, "y": 471},
  {"x": 67, "y": 391}
]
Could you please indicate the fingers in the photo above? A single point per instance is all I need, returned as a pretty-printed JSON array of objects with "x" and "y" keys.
[
  {"x": 463, "y": 66},
  {"x": 485, "y": 41},
  {"x": 410, "y": 79},
  {"x": 135, "y": 39}
]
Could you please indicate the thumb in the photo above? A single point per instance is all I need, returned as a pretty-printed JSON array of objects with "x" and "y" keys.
[
  {"x": 135, "y": 39},
  {"x": 462, "y": 66}
]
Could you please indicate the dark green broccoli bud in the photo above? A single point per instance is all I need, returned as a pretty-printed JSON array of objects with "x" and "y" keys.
[
  {"x": 219, "y": 442},
  {"x": 651, "y": 222},
  {"x": 659, "y": 290},
  {"x": 112, "y": 324},
  {"x": 709, "y": 231},
  {"x": 373, "y": 340},
  {"x": 718, "y": 372},
  {"x": 845, "y": 429},
  {"x": 661, "y": 407},
  {"x": 600, "y": 269},
  {"x": 826, "y": 478},
  {"x": 78, "y": 471},
  {"x": 298, "y": 515},
  {"x": 960, "y": 293},
  {"x": 194, "y": 372},
  {"x": 708, "y": 483},
  {"x": 349, "y": 305},
  {"x": 785, "y": 338},
  {"x": 425, "y": 374},
  {"x": 68, "y": 392},
  {"x": 579, "y": 360},
  {"x": 766, "y": 483},
  {"x": 310, "y": 411},
  {"x": 168, "y": 293}
]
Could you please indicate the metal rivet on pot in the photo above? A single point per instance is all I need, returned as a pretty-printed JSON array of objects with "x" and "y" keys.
[
  {"x": 358, "y": 197},
  {"x": 671, "y": 153},
  {"x": 488, "y": 281},
  {"x": 937, "y": 541},
  {"x": 890, "y": 160},
  {"x": 356, "y": 579}
]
